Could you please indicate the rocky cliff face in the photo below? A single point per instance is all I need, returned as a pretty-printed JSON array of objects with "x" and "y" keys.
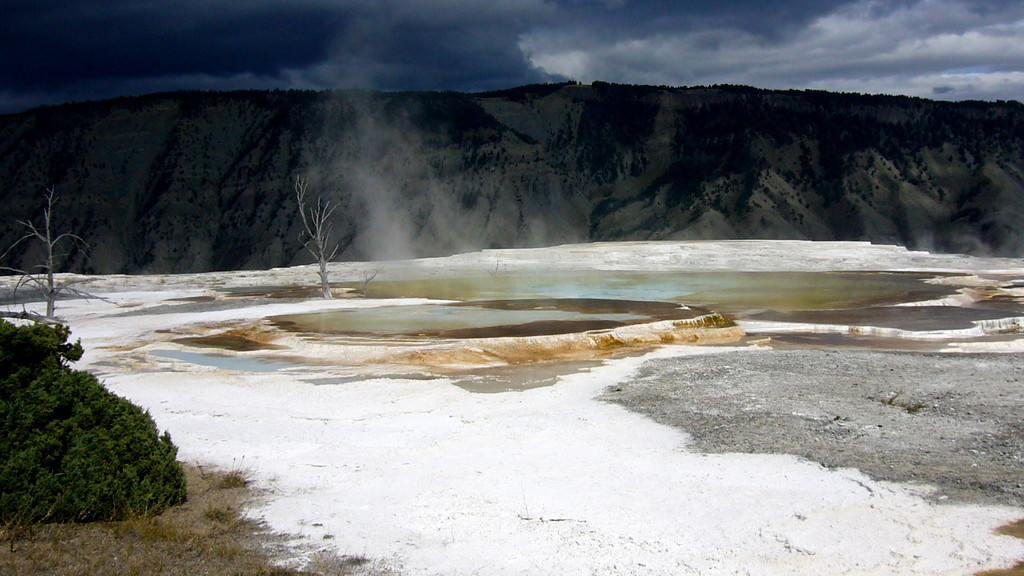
[{"x": 203, "y": 181}]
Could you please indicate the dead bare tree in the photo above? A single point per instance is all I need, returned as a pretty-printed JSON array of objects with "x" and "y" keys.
[
  {"x": 368, "y": 275},
  {"x": 41, "y": 276},
  {"x": 316, "y": 233}
]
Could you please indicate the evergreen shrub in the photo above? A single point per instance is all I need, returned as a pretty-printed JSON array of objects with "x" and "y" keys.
[{"x": 70, "y": 450}]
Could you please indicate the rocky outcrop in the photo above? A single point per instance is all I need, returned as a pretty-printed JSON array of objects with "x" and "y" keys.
[{"x": 203, "y": 181}]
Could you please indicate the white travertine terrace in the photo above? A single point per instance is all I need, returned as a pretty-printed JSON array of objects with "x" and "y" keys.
[{"x": 437, "y": 480}]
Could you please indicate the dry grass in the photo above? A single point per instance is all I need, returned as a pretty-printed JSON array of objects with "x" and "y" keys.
[
  {"x": 237, "y": 477},
  {"x": 206, "y": 536}
]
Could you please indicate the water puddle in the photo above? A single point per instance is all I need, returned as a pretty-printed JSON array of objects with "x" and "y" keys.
[
  {"x": 1002, "y": 302},
  {"x": 224, "y": 362},
  {"x": 509, "y": 332},
  {"x": 573, "y": 302},
  {"x": 289, "y": 292},
  {"x": 911, "y": 318},
  {"x": 228, "y": 341},
  {"x": 725, "y": 292},
  {"x": 485, "y": 319},
  {"x": 812, "y": 341},
  {"x": 341, "y": 380}
]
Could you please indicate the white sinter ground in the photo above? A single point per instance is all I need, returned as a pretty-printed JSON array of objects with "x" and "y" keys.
[{"x": 437, "y": 480}]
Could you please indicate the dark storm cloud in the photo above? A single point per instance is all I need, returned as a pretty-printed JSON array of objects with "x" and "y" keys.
[
  {"x": 643, "y": 18},
  {"x": 75, "y": 49},
  {"x": 970, "y": 49},
  {"x": 51, "y": 50},
  {"x": 46, "y": 44},
  {"x": 455, "y": 45}
]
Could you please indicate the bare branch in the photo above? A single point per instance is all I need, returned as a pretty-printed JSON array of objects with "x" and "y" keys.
[
  {"x": 70, "y": 289},
  {"x": 10, "y": 248},
  {"x": 75, "y": 238},
  {"x": 368, "y": 275},
  {"x": 38, "y": 281}
]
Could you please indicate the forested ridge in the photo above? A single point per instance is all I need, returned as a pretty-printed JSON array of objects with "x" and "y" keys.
[{"x": 197, "y": 181}]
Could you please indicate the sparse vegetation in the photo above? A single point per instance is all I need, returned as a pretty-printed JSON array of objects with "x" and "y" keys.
[
  {"x": 909, "y": 407},
  {"x": 235, "y": 478},
  {"x": 89, "y": 487},
  {"x": 207, "y": 535}
]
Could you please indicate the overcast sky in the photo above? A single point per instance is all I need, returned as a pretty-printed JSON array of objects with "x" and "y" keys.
[{"x": 58, "y": 50}]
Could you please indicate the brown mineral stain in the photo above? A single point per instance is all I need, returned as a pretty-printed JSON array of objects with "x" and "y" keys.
[
  {"x": 239, "y": 340},
  {"x": 1015, "y": 529},
  {"x": 1016, "y": 570}
]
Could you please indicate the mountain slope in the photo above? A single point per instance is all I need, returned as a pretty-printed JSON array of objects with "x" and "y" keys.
[{"x": 201, "y": 181}]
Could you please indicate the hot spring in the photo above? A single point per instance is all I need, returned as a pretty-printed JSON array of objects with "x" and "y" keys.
[{"x": 567, "y": 302}]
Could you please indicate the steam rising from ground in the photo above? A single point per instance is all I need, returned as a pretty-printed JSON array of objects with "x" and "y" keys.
[
  {"x": 384, "y": 178},
  {"x": 405, "y": 191}
]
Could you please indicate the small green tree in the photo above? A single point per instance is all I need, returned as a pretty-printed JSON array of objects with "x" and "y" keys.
[{"x": 70, "y": 450}]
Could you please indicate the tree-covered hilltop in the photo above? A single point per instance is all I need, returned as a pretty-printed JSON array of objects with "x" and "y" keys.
[{"x": 195, "y": 181}]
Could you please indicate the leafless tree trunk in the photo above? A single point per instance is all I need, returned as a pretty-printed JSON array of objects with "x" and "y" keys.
[
  {"x": 30, "y": 316},
  {"x": 316, "y": 233},
  {"x": 40, "y": 276}
]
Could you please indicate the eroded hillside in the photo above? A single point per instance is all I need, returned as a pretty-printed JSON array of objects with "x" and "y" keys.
[{"x": 202, "y": 181}]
